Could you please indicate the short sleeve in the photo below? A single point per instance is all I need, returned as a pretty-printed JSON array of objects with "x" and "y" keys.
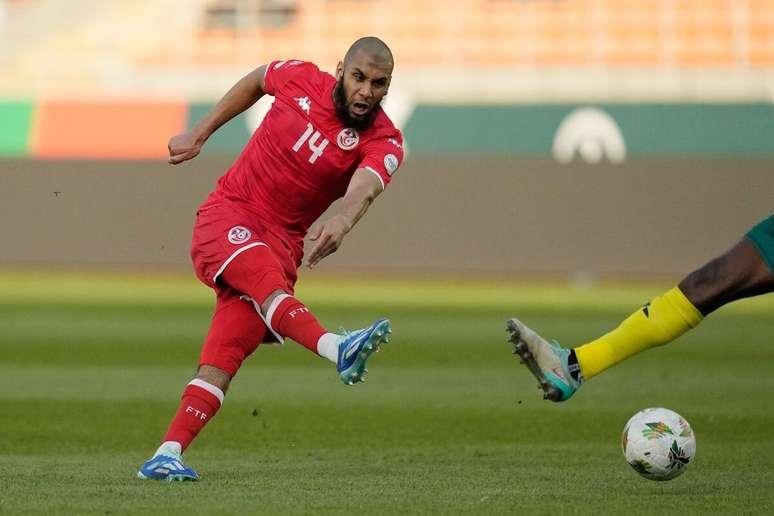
[
  {"x": 279, "y": 73},
  {"x": 383, "y": 157}
]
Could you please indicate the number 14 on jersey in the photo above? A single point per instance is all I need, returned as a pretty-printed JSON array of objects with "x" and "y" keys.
[{"x": 311, "y": 137}]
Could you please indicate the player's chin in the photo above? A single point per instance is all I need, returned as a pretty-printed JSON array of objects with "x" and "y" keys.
[
  {"x": 360, "y": 112},
  {"x": 358, "y": 118}
]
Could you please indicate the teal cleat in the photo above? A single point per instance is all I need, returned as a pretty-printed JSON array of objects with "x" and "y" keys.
[
  {"x": 357, "y": 347},
  {"x": 550, "y": 363},
  {"x": 166, "y": 467}
]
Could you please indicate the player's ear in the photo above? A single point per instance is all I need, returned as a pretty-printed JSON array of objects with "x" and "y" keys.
[{"x": 339, "y": 71}]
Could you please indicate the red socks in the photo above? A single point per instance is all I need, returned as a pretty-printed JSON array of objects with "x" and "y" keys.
[
  {"x": 288, "y": 317},
  {"x": 200, "y": 403}
]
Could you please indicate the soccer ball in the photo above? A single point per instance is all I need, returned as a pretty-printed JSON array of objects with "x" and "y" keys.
[{"x": 658, "y": 443}]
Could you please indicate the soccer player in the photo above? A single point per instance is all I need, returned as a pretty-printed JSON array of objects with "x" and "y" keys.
[
  {"x": 324, "y": 138},
  {"x": 744, "y": 271}
]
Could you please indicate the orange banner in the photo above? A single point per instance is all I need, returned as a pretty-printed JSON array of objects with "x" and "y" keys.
[{"x": 129, "y": 129}]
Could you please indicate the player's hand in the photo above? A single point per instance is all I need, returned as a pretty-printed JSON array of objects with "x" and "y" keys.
[
  {"x": 183, "y": 147},
  {"x": 327, "y": 238}
]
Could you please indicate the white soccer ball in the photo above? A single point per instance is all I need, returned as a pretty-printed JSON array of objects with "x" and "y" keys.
[{"x": 658, "y": 443}]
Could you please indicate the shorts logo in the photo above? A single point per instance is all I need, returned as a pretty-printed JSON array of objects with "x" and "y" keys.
[
  {"x": 348, "y": 139},
  {"x": 239, "y": 235},
  {"x": 391, "y": 163}
]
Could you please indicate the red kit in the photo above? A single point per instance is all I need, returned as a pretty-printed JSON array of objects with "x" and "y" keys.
[{"x": 298, "y": 162}]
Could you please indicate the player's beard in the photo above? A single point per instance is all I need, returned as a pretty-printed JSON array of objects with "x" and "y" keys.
[{"x": 342, "y": 110}]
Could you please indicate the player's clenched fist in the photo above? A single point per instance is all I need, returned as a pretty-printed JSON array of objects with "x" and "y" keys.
[{"x": 183, "y": 147}]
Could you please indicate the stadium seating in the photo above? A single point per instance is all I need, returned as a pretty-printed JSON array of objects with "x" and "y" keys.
[
  {"x": 50, "y": 44},
  {"x": 498, "y": 33}
]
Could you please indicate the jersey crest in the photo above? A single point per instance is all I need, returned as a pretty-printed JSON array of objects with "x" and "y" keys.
[{"x": 348, "y": 139}]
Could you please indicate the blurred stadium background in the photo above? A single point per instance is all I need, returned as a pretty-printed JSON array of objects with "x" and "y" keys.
[
  {"x": 546, "y": 136},
  {"x": 552, "y": 143}
]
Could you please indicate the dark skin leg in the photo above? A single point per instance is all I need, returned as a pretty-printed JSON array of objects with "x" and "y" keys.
[{"x": 739, "y": 273}]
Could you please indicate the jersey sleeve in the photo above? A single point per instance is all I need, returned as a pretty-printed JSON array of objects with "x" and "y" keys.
[
  {"x": 383, "y": 157},
  {"x": 279, "y": 73}
]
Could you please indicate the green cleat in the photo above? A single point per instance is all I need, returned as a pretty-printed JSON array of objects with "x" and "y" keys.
[{"x": 549, "y": 363}]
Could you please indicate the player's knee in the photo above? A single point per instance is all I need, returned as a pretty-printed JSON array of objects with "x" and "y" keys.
[{"x": 235, "y": 333}]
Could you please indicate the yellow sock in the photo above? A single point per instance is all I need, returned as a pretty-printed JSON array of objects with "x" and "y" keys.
[{"x": 661, "y": 321}]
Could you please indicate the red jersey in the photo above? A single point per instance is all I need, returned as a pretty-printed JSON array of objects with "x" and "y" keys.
[{"x": 301, "y": 158}]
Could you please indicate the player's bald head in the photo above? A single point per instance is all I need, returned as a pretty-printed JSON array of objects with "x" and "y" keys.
[
  {"x": 374, "y": 49},
  {"x": 362, "y": 80}
]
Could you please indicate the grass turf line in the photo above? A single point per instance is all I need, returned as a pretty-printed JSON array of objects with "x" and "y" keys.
[{"x": 447, "y": 422}]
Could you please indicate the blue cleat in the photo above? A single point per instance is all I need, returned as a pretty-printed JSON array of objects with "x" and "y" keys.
[
  {"x": 549, "y": 363},
  {"x": 357, "y": 347},
  {"x": 167, "y": 467}
]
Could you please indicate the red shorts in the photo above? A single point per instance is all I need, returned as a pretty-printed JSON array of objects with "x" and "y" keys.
[{"x": 223, "y": 231}]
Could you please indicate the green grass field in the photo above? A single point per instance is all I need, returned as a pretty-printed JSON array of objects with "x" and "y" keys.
[{"x": 91, "y": 368}]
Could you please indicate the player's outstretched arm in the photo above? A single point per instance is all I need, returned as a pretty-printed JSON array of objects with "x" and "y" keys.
[
  {"x": 363, "y": 188},
  {"x": 241, "y": 96}
]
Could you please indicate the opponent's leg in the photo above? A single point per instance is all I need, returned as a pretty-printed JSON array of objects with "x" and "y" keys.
[
  {"x": 741, "y": 272},
  {"x": 258, "y": 274},
  {"x": 745, "y": 270},
  {"x": 235, "y": 332},
  {"x": 662, "y": 320},
  {"x": 561, "y": 371}
]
